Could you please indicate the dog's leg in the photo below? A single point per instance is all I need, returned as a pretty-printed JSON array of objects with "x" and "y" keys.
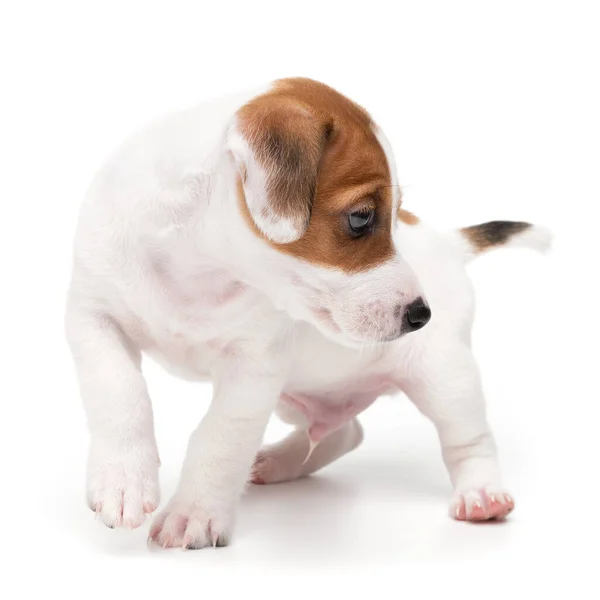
[
  {"x": 445, "y": 385},
  {"x": 284, "y": 461},
  {"x": 122, "y": 475},
  {"x": 220, "y": 453}
]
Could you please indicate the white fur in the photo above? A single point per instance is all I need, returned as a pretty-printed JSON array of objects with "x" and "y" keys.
[
  {"x": 536, "y": 237},
  {"x": 166, "y": 265}
]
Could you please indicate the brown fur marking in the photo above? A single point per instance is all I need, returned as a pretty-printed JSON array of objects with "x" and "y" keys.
[
  {"x": 407, "y": 217},
  {"x": 494, "y": 233},
  {"x": 325, "y": 162}
]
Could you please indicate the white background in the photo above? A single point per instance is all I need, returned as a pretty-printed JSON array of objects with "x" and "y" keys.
[{"x": 493, "y": 111}]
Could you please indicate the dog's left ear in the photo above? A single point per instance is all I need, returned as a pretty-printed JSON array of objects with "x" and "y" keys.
[{"x": 277, "y": 146}]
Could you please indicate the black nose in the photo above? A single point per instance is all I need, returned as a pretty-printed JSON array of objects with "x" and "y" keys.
[{"x": 416, "y": 315}]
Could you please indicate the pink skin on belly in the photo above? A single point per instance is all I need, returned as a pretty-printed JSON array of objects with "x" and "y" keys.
[{"x": 325, "y": 415}]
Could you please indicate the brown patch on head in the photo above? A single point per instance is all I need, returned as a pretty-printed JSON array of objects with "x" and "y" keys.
[
  {"x": 288, "y": 145},
  {"x": 407, "y": 217},
  {"x": 494, "y": 233},
  {"x": 323, "y": 162}
]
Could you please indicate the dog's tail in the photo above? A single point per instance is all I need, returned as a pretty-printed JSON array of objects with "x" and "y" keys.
[{"x": 477, "y": 239}]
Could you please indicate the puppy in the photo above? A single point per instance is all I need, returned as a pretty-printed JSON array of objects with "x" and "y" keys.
[{"x": 259, "y": 242}]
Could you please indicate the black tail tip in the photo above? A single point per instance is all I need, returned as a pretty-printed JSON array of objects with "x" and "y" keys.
[{"x": 493, "y": 233}]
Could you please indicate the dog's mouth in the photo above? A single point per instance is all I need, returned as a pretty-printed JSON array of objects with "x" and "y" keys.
[
  {"x": 327, "y": 322},
  {"x": 391, "y": 337}
]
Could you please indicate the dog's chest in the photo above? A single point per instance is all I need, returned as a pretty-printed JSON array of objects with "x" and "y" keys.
[
  {"x": 186, "y": 319},
  {"x": 330, "y": 384}
]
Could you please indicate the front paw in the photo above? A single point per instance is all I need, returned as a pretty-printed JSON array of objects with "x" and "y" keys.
[
  {"x": 190, "y": 525},
  {"x": 122, "y": 485},
  {"x": 481, "y": 504}
]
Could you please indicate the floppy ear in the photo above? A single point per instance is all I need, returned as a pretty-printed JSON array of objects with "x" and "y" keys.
[{"x": 277, "y": 146}]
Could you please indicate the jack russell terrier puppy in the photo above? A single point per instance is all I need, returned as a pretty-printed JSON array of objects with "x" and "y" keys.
[{"x": 259, "y": 242}]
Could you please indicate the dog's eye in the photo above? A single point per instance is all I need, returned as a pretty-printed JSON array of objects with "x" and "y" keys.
[{"x": 361, "y": 220}]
